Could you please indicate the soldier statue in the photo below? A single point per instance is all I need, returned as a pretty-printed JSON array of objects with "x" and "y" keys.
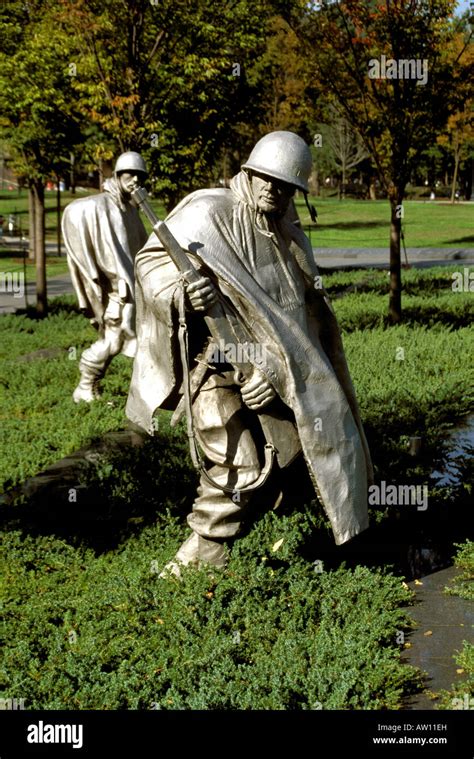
[
  {"x": 255, "y": 260},
  {"x": 102, "y": 234}
]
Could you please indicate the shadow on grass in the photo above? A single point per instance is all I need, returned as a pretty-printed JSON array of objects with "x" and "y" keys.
[
  {"x": 6, "y": 252},
  {"x": 411, "y": 541},
  {"x": 459, "y": 240},
  {"x": 429, "y": 316},
  {"x": 60, "y": 305},
  {"x": 116, "y": 493},
  {"x": 105, "y": 492},
  {"x": 352, "y": 225},
  {"x": 416, "y": 316}
]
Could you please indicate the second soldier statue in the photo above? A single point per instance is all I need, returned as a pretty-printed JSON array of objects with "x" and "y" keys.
[{"x": 102, "y": 234}]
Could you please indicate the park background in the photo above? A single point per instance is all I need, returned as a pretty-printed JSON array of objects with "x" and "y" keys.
[{"x": 294, "y": 623}]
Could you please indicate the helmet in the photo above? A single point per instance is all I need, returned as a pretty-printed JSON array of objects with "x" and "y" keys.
[
  {"x": 130, "y": 161},
  {"x": 284, "y": 156}
]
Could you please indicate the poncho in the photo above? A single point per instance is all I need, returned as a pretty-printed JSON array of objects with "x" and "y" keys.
[
  {"x": 306, "y": 365},
  {"x": 102, "y": 234}
]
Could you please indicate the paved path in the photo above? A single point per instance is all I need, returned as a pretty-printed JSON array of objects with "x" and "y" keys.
[
  {"x": 59, "y": 285},
  {"x": 339, "y": 258},
  {"x": 444, "y": 621},
  {"x": 18, "y": 245},
  {"x": 342, "y": 258}
]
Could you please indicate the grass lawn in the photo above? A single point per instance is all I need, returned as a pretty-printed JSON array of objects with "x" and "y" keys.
[
  {"x": 365, "y": 224},
  {"x": 345, "y": 223},
  {"x": 54, "y": 266},
  {"x": 11, "y": 203}
]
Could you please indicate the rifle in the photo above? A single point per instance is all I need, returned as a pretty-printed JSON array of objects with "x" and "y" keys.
[{"x": 280, "y": 433}]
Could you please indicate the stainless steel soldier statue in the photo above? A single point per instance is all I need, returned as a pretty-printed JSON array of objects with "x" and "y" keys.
[
  {"x": 252, "y": 257},
  {"x": 102, "y": 234}
]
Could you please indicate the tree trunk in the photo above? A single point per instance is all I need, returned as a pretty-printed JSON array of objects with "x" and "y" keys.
[
  {"x": 58, "y": 216},
  {"x": 455, "y": 176},
  {"x": 224, "y": 169},
  {"x": 395, "y": 297},
  {"x": 31, "y": 222},
  {"x": 372, "y": 190},
  {"x": 316, "y": 186},
  {"x": 72, "y": 175},
  {"x": 469, "y": 189},
  {"x": 101, "y": 175},
  {"x": 40, "y": 252}
]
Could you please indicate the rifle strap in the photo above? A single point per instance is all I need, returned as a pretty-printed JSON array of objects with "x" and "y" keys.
[{"x": 193, "y": 446}]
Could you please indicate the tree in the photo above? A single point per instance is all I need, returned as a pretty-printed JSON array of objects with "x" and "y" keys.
[
  {"x": 277, "y": 89},
  {"x": 458, "y": 137},
  {"x": 168, "y": 79},
  {"x": 281, "y": 75},
  {"x": 346, "y": 145},
  {"x": 385, "y": 64},
  {"x": 324, "y": 165},
  {"x": 36, "y": 118}
]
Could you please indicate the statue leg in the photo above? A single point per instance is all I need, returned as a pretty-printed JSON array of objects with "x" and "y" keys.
[
  {"x": 94, "y": 362},
  {"x": 225, "y": 439}
]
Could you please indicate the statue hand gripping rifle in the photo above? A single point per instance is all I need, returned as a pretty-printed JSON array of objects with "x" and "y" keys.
[
  {"x": 232, "y": 284},
  {"x": 102, "y": 234}
]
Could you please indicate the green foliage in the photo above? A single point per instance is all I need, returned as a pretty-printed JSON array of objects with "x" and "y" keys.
[
  {"x": 40, "y": 422},
  {"x": 463, "y": 584},
  {"x": 186, "y": 86},
  {"x": 422, "y": 394},
  {"x": 38, "y": 111},
  {"x": 280, "y": 75},
  {"x": 435, "y": 280},
  {"x": 396, "y": 118},
  {"x": 106, "y": 632},
  {"x": 462, "y": 694},
  {"x": 88, "y": 621},
  {"x": 432, "y": 384},
  {"x": 366, "y": 311},
  {"x": 416, "y": 376}
]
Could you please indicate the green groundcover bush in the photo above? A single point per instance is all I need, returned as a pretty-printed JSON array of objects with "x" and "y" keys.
[
  {"x": 461, "y": 697},
  {"x": 39, "y": 422},
  {"x": 432, "y": 280},
  {"x": 463, "y": 584},
  {"x": 91, "y": 625},
  {"x": 361, "y": 311},
  {"x": 272, "y": 632},
  {"x": 409, "y": 380}
]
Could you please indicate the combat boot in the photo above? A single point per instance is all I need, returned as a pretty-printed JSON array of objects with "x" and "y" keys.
[
  {"x": 197, "y": 551},
  {"x": 88, "y": 387}
]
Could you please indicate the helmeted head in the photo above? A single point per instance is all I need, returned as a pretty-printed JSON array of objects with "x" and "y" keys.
[
  {"x": 279, "y": 164},
  {"x": 129, "y": 169}
]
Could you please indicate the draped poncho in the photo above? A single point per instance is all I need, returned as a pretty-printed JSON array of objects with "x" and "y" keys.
[{"x": 102, "y": 234}]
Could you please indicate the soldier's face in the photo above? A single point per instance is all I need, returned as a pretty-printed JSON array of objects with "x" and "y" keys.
[
  {"x": 271, "y": 195},
  {"x": 128, "y": 180}
]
